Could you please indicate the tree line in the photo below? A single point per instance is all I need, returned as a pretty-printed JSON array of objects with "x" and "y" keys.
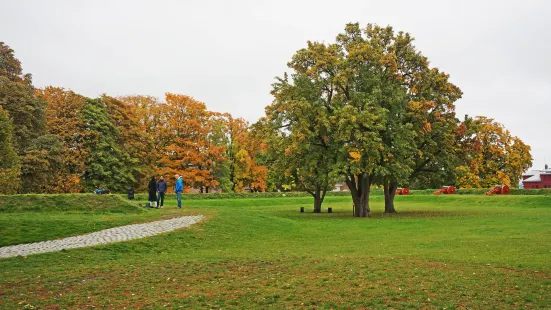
[
  {"x": 367, "y": 109},
  {"x": 53, "y": 140}
]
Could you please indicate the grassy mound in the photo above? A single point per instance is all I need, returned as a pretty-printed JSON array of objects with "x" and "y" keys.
[
  {"x": 33, "y": 218},
  {"x": 67, "y": 203}
]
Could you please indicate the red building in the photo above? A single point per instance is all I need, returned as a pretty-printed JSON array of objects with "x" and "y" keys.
[{"x": 537, "y": 178}]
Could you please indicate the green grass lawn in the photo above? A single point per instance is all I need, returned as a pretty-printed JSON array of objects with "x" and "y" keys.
[
  {"x": 33, "y": 218},
  {"x": 442, "y": 251}
]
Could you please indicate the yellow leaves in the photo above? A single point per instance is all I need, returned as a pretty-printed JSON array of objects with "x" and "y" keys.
[
  {"x": 491, "y": 153},
  {"x": 466, "y": 179},
  {"x": 415, "y": 105},
  {"x": 421, "y": 106},
  {"x": 355, "y": 156},
  {"x": 389, "y": 61},
  {"x": 503, "y": 179}
]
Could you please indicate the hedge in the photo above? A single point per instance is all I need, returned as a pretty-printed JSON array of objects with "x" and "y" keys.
[{"x": 376, "y": 192}]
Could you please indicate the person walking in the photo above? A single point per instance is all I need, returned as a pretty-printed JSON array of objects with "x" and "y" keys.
[
  {"x": 152, "y": 188},
  {"x": 178, "y": 189},
  {"x": 161, "y": 190}
]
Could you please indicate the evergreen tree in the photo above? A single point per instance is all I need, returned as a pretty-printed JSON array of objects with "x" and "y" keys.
[{"x": 107, "y": 164}]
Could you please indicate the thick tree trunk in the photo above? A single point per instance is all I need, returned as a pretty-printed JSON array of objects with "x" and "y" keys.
[
  {"x": 390, "y": 193},
  {"x": 207, "y": 189},
  {"x": 359, "y": 189},
  {"x": 317, "y": 203},
  {"x": 318, "y": 195}
]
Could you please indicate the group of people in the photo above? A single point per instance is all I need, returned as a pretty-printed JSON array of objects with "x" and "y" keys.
[{"x": 157, "y": 190}]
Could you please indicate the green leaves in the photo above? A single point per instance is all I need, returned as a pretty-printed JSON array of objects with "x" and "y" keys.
[
  {"x": 353, "y": 98},
  {"x": 108, "y": 164}
]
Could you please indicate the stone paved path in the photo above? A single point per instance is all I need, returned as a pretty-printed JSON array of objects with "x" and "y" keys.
[{"x": 117, "y": 234}]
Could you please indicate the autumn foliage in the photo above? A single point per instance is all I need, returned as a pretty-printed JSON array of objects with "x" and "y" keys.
[
  {"x": 368, "y": 110},
  {"x": 54, "y": 140},
  {"x": 489, "y": 154}
]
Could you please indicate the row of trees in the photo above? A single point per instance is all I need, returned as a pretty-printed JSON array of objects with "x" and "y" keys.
[
  {"x": 53, "y": 140},
  {"x": 369, "y": 109}
]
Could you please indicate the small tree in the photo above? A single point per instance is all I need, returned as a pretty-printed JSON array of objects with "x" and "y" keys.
[
  {"x": 490, "y": 155},
  {"x": 300, "y": 134}
]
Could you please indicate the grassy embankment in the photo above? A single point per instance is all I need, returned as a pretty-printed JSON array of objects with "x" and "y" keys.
[
  {"x": 32, "y": 218},
  {"x": 460, "y": 251}
]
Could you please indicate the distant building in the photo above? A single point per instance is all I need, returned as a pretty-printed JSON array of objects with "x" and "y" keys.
[
  {"x": 537, "y": 178},
  {"x": 341, "y": 187}
]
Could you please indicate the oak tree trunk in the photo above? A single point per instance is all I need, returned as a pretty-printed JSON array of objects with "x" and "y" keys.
[
  {"x": 317, "y": 203},
  {"x": 359, "y": 189},
  {"x": 390, "y": 193},
  {"x": 318, "y": 195}
]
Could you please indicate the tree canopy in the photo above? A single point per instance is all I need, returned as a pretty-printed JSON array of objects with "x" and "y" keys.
[{"x": 367, "y": 109}]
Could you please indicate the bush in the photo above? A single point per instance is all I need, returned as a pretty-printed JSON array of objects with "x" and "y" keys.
[
  {"x": 198, "y": 196},
  {"x": 472, "y": 191},
  {"x": 374, "y": 192}
]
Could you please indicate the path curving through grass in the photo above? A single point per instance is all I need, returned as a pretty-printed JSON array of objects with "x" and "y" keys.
[{"x": 111, "y": 235}]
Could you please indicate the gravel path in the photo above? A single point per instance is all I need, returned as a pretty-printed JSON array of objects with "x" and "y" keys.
[{"x": 117, "y": 234}]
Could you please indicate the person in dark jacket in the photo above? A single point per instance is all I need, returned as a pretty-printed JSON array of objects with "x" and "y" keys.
[
  {"x": 152, "y": 187},
  {"x": 161, "y": 189}
]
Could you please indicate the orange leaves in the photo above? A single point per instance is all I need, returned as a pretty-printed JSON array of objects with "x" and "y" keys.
[
  {"x": 260, "y": 175},
  {"x": 64, "y": 119},
  {"x": 189, "y": 150},
  {"x": 201, "y": 145},
  {"x": 427, "y": 126},
  {"x": 461, "y": 130}
]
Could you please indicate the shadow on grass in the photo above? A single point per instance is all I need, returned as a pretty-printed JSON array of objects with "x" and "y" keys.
[{"x": 401, "y": 215}]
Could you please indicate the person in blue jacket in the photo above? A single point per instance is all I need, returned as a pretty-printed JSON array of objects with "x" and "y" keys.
[{"x": 178, "y": 189}]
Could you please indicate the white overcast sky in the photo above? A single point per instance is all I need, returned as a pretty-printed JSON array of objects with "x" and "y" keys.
[{"x": 227, "y": 53}]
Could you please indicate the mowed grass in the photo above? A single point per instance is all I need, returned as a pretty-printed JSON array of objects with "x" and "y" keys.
[
  {"x": 33, "y": 218},
  {"x": 437, "y": 252}
]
